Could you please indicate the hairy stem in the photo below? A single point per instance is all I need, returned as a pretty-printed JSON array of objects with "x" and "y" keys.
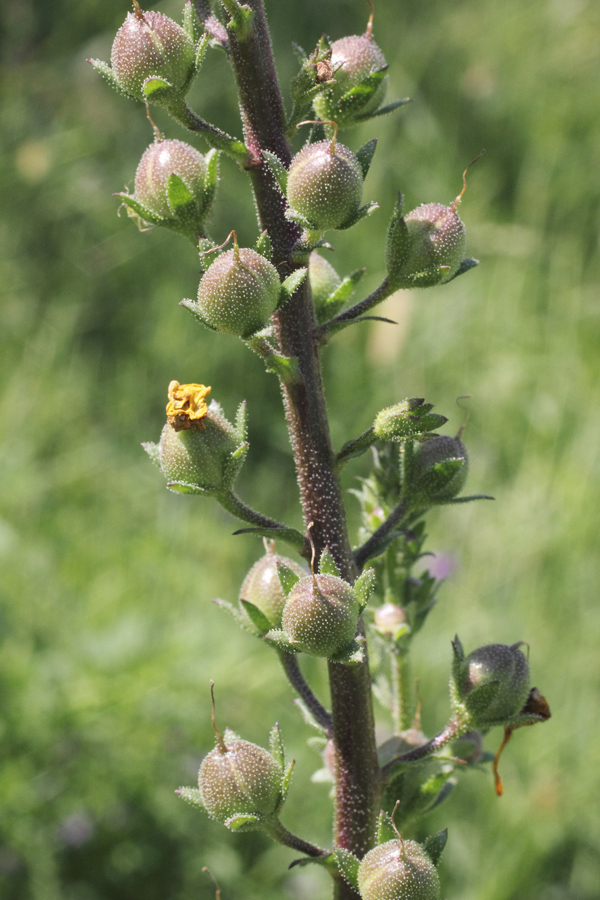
[
  {"x": 371, "y": 547},
  {"x": 353, "y": 723},
  {"x": 291, "y": 668}
]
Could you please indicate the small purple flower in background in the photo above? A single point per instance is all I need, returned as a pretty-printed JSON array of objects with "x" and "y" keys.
[{"x": 441, "y": 565}]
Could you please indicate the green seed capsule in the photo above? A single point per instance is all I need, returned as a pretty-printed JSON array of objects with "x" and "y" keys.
[
  {"x": 161, "y": 160},
  {"x": 262, "y": 587},
  {"x": 325, "y": 184},
  {"x": 239, "y": 778},
  {"x": 239, "y": 292},
  {"x": 398, "y": 870},
  {"x": 150, "y": 45},
  {"x": 320, "y": 615},
  {"x": 353, "y": 58},
  {"x": 199, "y": 456},
  {"x": 506, "y": 671}
]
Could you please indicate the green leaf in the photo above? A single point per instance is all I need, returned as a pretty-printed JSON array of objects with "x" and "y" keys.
[
  {"x": 142, "y": 211},
  {"x": 327, "y": 565},
  {"x": 153, "y": 452},
  {"x": 287, "y": 577},
  {"x": 465, "y": 265},
  {"x": 291, "y": 285},
  {"x": 365, "y": 156},
  {"x": 276, "y": 745},
  {"x": 328, "y": 861},
  {"x": 366, "y": 210},
  {"x": 180, "y": 197},
  {"x": 243, "y": 823},
  {"x": 158, "y": 90},
  {"x": 182, "y": 487},
  {"x": 263, "y": 245},
  {"x": 279, "y": 639},
  {"x": 107, "y": 73},
  {"x": 257, "y": 617},
  {"x": 348, "y": 865},
  {"x": 279, "y": 171},
  {"x": 191, "y": 796},
  {"x": 390, "y": 107},
  {"x": 336, "y": 300},
  {"x": 241, "y": 420},
  {"x": 364, "y": 587},
  {"x": 192, "y": 306},
  {"x": 285, "y": 367},
  {"x": 385, "y": 828},
  {"x": 233, "y": 612},
  {"x": 201, "y": 48},
  {"x": 287, "y": 780},
  {"x": 434, "y": 846},
  {"x": 352, "y": 655},
  {"x": 212, "y": 178}
]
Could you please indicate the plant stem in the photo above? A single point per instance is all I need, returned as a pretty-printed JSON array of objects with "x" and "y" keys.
[
  {"x": 280, "y": 833},
  {"x": 370, "y": 547},
  {"x": 357, "y": 786},
  {"x": 291, "y": 668}
]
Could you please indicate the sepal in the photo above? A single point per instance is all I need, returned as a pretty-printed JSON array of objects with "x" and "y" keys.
[
  {"x": 348, "y": 865},
  {"x": 434, "y": 846}
]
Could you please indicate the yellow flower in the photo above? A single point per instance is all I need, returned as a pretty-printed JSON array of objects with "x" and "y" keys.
[{"x": 187, "y": 406}]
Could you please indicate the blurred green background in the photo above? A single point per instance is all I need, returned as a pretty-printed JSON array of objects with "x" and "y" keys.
[{"x": 108, "y": 637}]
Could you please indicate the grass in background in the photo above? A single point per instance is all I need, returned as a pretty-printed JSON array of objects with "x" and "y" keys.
[{"x": 108, "y": 634}]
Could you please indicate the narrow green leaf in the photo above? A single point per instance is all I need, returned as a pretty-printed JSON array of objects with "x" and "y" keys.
[
  {"x": 390, "y": 107},
  {"x": 279, "y": 639},
  {"x": 327, "y": 565},
  {"x": 385, "y": 828},
  {"x": 146, "y": 214},
  {"x": 153, "y": 452},
  {"x": 233, "y": 612},
  {"x": 348, "y": 865},
  {"x": 291, "y": 284},
  {"x": 364, "y": 587},
  {"x": 465, "y": 265},
  {"x": 287, "y": 577},
  {"x": 191, "y": 796},
  {"x": 287, "y": 780},
  {"x": 365, "y": 156},
  {"x": 201, "y": 48},
  {"x": 241, "y": 421},
  {"x": 277, "y": 168},
  {"x": 243, "y": 823},
  {"x": 263, "y": 245},
  {"x": 257, "y": 617},
  {"x": 180, "y": 197},
  {"x": 276, "y": 744},
  {"x": 434, "y": 846}
]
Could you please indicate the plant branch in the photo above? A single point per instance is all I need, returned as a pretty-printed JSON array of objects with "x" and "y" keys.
[
  {"x": 379, "y": 294},
  {"x": 452, "y": 731},
  {"x": 370, "y": 547},
  {"x": 280, "y": 833},
  {"x": 266, "y": 526},
  {"x": 291, "y": 668}
]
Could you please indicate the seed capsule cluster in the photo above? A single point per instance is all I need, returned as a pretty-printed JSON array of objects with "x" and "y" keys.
[
  {"x": 239, "y": 778},
  {"x": 151, "y": 45}
]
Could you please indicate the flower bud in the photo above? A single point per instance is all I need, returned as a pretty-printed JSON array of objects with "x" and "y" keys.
[
  {"x": 353, "y": 59},
  {"x": 491, "y": 683},
  {"x": 262, "y": 587},
  {"x": 239, "y": 292},
  {"x": 161, "y": 160},
  {"x": 195, "y": 455},
  {"x": 398, "y": 870},
  {"x": 325, "y": 184},
  {"x": 147, "y": 45},
  {"x": 320, "y": 615},
  {"x": 389, "y": 619},
  {"x": 440, "y": 469},
  {"x": 426, "y": 247},
  {"x": 240, "y": 778}
]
